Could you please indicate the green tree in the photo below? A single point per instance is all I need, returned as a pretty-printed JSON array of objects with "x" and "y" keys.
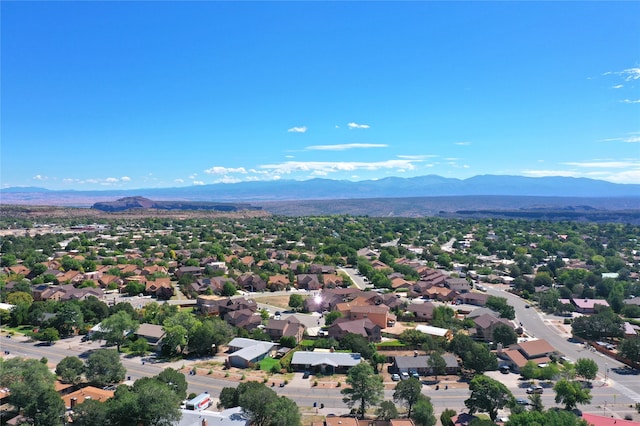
[
  {"x": 89, "y": 413},
  {"x": 536, "y": 402},
  {"x": 20, "y": 298},
  {"x": 571, "y": 393},
  {"x": 331, "y": 317},
  {"x": 283, "y": 411},
  {"x": 366, "y": 388},
  {"x": 48, "y": 335},
  {"x": 116, "y": 328},
  {"x": 437, "y": 364},
  {"x": 586, "y": 368},
  {"x": 530, "y": 371},
  {"x": 103, "y": 367},
  {"x": 487, "y": 395},
  {"x": 254, "y": 398},
  {"x": 296, "y": 302},
  {"x": 480, "y": 359},
  {"x": 228, "y": 289},
  {"x": 446, "y": 416},
  {"x": 357, "y": 344},
  {"x": 545, "y": 418},
  {"x": 461, "y": 344},
  {"x": 387, "y": 411},
  {"x": 423, "y": 412},
  {"x": 209, "y": 336},
  {"x": 70, "y": 369},
  {"x": 68, "y": 319},
  {"x": 31, "y": 387},
  {"x": 505, "y": 335},
  {"x": 147, "y": 402},
  {"x": 288, "y": 342},
  {"x": 139, "y": 347},
  {"x": 408, "y": 392},
  {"x": 175, "y": 337},
  {"x": 175, "y": 380},
  {"x": 630, "y": 348},
  {"x": 228, "y": 397}
]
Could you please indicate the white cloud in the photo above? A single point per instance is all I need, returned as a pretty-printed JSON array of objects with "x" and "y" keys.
[
  {"x": 193, "y": 176},
  {"x": 125, "y": 179},
  {"x": 463, "y": 143},
  {"x": 228, "y": 179},
  {"x": 178, "y": 180},
  {"x": 344, "y": 147},
  {"x": 629, "y": 74},
  {"x": 219, "y": 170},
  {"x": 353, "y": 125},
  {"x": 40, "y": 177},
  {"x": 198, "y": 182},
  {"x": 618, "y": 86},
  {"x": 111, "y": 180},
  {"x": 609, "y": 164},
  {"x": 298, "y": 129},
  {"x": 630, "y": 101},
  {"x": 416, "y": 157},
  {"x": 337, "y": 166},
  {"x": 547, "y": 173}
]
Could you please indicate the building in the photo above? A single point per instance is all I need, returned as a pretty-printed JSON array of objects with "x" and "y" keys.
[
  {"x": 420, "y": 364},
  {"x": 435, "y": 331},
  {"x": 517, "y": 356},
  {"x": 246, "y": 352},
  {"x": 325, "y": 362}
]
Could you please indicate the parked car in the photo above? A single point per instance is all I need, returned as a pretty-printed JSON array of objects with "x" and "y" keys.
[
  {"x": 404, "y": 375},
  {"x": 414, "y": 374},
  {"x": 535, "y": 389},
  {"x": 395, "y": 377},
  {"x": 522, "y": 401}
]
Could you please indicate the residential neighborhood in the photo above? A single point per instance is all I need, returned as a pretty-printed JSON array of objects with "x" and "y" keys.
[{"x": 303, "y": 314}]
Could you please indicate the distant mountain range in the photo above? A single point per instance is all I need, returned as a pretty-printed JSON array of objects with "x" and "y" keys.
[{"x": 324, "y": 189}]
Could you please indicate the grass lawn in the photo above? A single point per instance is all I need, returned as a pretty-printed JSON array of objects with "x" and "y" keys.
[
  {"x": 22, "y": 329},
  {"x": 267, "y": 363}
]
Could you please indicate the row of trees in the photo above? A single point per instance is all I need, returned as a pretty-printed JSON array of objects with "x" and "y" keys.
[{"x": 150, "y": 401}]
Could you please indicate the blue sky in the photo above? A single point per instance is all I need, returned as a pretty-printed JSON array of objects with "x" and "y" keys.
[{"x": 103, "y": 95}]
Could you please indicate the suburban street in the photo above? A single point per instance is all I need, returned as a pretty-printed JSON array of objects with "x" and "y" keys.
[{"x": 617, "y": 397}]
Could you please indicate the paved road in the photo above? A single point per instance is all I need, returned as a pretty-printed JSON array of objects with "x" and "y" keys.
[{"x": 626, "y": 387}]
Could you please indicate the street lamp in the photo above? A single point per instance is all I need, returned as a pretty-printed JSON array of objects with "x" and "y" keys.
[{"x": 606, "y": 372}]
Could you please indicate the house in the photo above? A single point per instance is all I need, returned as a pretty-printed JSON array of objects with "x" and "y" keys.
[
  {"x": 315, "y": 268},
  {"x": 516, "y": 356},
  {"x": 476, "y": 299},
  {"x": 252, "y": 282},
  {"x": 435, "y": 331},
  {"x": 245, "y": 352},
  {"x": 332, "y": 280},
  {"x": 161, "y": 288},
  {"x": 441, "y": 293},
  {"x": 278, "y": 282},
  {"x": 308, "y": 282},
  {"x": 596, "y": 420},
  {"x": 587, "y": 306},
  {"x": 363, "y": 327},
  {"x": 243, "y": 318},
  {"x": 420, "y": 364},
  {"x": 629, "y": 330},
  {"x": 194, "y": 271},
  {"x": 290, "y": 326},
  {"x": 486, "y": 324},
  {"x": 378, "y": 314},
  {"x": 89, "y": 392},
  {"x": 153, "y": 333},
  {"x": 422, "y": 311},
  {"x": 460, "y": 285},
  {"x": 399, "y": 282},
  {"x": 324, "y": 361}
]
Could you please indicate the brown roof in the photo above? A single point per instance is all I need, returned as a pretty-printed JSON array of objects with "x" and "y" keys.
[
  {"x": 341, "y": 421},
  {"x": 536, "y": 348},
  {"x": 88, "y": 392}
]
